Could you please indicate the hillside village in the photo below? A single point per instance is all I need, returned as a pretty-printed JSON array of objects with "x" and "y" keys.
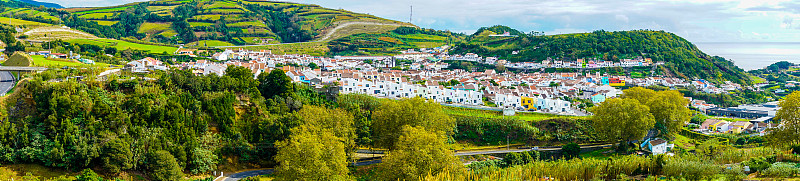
[{"x": 429, "y": 77}]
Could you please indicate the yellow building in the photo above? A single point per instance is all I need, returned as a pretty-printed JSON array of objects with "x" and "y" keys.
[
  {"x": 740, "y": 126},
  {"x": 528, "y": 103}
]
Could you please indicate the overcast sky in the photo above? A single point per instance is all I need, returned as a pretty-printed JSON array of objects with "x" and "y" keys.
[{"x": 696, "y": 20}]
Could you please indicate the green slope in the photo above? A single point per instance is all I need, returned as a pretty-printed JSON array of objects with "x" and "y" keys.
[{"x": 682, "y": 58}]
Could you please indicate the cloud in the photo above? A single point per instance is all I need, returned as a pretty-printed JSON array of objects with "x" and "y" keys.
[{"x": 696, "y": 20}]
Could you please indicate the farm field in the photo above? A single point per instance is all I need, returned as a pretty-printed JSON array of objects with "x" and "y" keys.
[
  {"x": 105, "y": 22},
  {"x": 309, "y": 48},
  {"x": 122, "y": 45},
  {"x": 210, "y": 43},
  {"x": 17, "y": 22}
]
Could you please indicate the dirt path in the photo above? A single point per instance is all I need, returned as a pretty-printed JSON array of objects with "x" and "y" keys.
[{"x": 340, "y": 26}]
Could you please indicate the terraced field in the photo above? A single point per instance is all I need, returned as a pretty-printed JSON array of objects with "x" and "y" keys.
[
  {"x": 154, "y": 28},
  {"x": 56, "y": 32},
  {"x": 209, "y": 43},
  {"x": 18, "y": 22},
  {"x": 30, "y": 13},
  {"x": 105, "y": 22},
  {"x": 122, "y": 45}
]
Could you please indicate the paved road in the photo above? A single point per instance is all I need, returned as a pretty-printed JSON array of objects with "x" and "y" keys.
[
  {"x": 14, "y": 68},
  {"x": 555, "y": 148},
  {"x": 252, "y": 173},
  {"x": 6, "y": 82},
  {"x": 242, "y": 175}
]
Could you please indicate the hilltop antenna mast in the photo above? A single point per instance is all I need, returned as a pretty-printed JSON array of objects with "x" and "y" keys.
[{"x": 411, "y": 16}]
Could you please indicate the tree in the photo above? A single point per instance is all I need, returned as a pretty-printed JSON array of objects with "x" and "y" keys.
[
  {"x": 789, "y": 116},
  {"x": 203, "y": 160},
  {"x": 243, "y": 77},
  {"x": 311, "y": 155},
  {"x": 419, "y": 153},
  {"x": 313, "y": 65},
  {"x": 117, "y": 156},
  {"x": 88, "y": 175},
  {"x": 337, "y": 121},
  {"x": 163, "y": 166},
  {"x": 570, "y": 151},
  {"x": 389, "y": 119},
  {"x": 276, "y": 83},
  {"x": 622, "y": 120},
  {"x": 668, "y": 108}
]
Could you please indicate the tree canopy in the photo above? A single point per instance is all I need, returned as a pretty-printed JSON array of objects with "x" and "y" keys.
[
  {"x": 622, "y": 120},
  {"x": 418, "y": 152},
  {"x": 392, "y": 116}
]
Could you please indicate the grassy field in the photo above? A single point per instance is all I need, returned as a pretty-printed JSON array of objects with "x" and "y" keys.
[
  {"x": 105, "y": 23},
  {"x": 499, "y": 115},
  {"x": 358, "y": 29},
  {"x": 122, "y": 45},
  {"x": 199, "y": 24},
  {"x": 41, "y": 61},
  {"x": 211, "y": 43},
  {"x": 154, "y": 27},
  {"x": 309, "y": 48},
  {"x": 32, "y": 172},
  {"x": 758, "y": 80},
  {"x": 18, "y": 22}
]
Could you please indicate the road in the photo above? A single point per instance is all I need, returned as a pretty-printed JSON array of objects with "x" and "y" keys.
[
  {"x": 242, "y": 175},
  {"x": 552, "y": 148},
  {"x": 252, "y": 173},
  {"x": 6, "y": 82}
]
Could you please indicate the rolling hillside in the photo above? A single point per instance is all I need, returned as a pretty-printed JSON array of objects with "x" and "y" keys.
[
  {"x": 681, "y": 57},
  {"x": 238, "y": 22}
]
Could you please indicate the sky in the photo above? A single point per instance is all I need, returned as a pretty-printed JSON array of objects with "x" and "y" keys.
[{"x": 695, "y": 20}]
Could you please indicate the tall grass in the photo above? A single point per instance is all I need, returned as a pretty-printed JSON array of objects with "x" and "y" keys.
[{"x": 575, "y": 169}]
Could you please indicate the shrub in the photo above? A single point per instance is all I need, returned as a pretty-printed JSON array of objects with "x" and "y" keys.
[
  {"x": 571, "y": 150},
  {"x": 735, "y": 172},
  {"x": 757, "y": 164},
  {"x": 781, "y": 169},
  {"x": 690, "y": 168},
  {"x": 479, "y": 165}
]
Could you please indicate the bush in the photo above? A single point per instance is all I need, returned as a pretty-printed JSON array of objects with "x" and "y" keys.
[
  {"x": 735, "y": 172},
  {"x": 757, "y": 164},
  {"x": 571, "y": 150},
  {"x": 479, "y": 165},
  {"x": 690, "y": 168},
  {"x": 780, "y": 169}
]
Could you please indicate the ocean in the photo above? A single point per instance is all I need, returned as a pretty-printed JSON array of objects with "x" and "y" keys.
[{"x": 753, "y": 55}]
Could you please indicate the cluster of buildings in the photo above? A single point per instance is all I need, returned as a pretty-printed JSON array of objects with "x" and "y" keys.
[
  {"x": 71, "y": 55},
  {"x": 425, "y": 76},
  {"x": 758, "y": 126}
]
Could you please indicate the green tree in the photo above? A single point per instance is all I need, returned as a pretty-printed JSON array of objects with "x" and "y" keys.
[
  {"x": 203, "y": 160},
  {"x": 668, "y": 108},
  {"x": 622, "y": 120},
  {"x": 570, "y": 151},
  {"x": 419, "y": 153},
  {"x": 117, "y": 156},
  {"x": 789, "y": 116},
  {"x": 163, "y": 166},
  {"x": 389, "y": 119},
  {"x": 338, "y": 121},
  {"x": 88, "y": 175},
  {"x": 311, "y": 154},
  {"x": 243, "y": 76},
  {"x": 276, "y": 83}
]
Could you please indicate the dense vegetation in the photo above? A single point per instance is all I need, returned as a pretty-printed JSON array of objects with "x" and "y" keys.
[{"x": 682, "y": 58}]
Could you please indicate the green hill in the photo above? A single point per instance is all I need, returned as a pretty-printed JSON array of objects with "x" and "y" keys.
[
  {"x": 233, "y": 21},
  {"x": 681, "y": 57},
  {"x": 19, "y": 59}
]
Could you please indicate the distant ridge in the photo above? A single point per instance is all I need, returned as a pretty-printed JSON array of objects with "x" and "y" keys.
[{"x": 37, "y": 3}]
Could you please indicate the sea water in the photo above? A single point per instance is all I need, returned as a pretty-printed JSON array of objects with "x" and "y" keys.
[{"x": 753, "y": 55}]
